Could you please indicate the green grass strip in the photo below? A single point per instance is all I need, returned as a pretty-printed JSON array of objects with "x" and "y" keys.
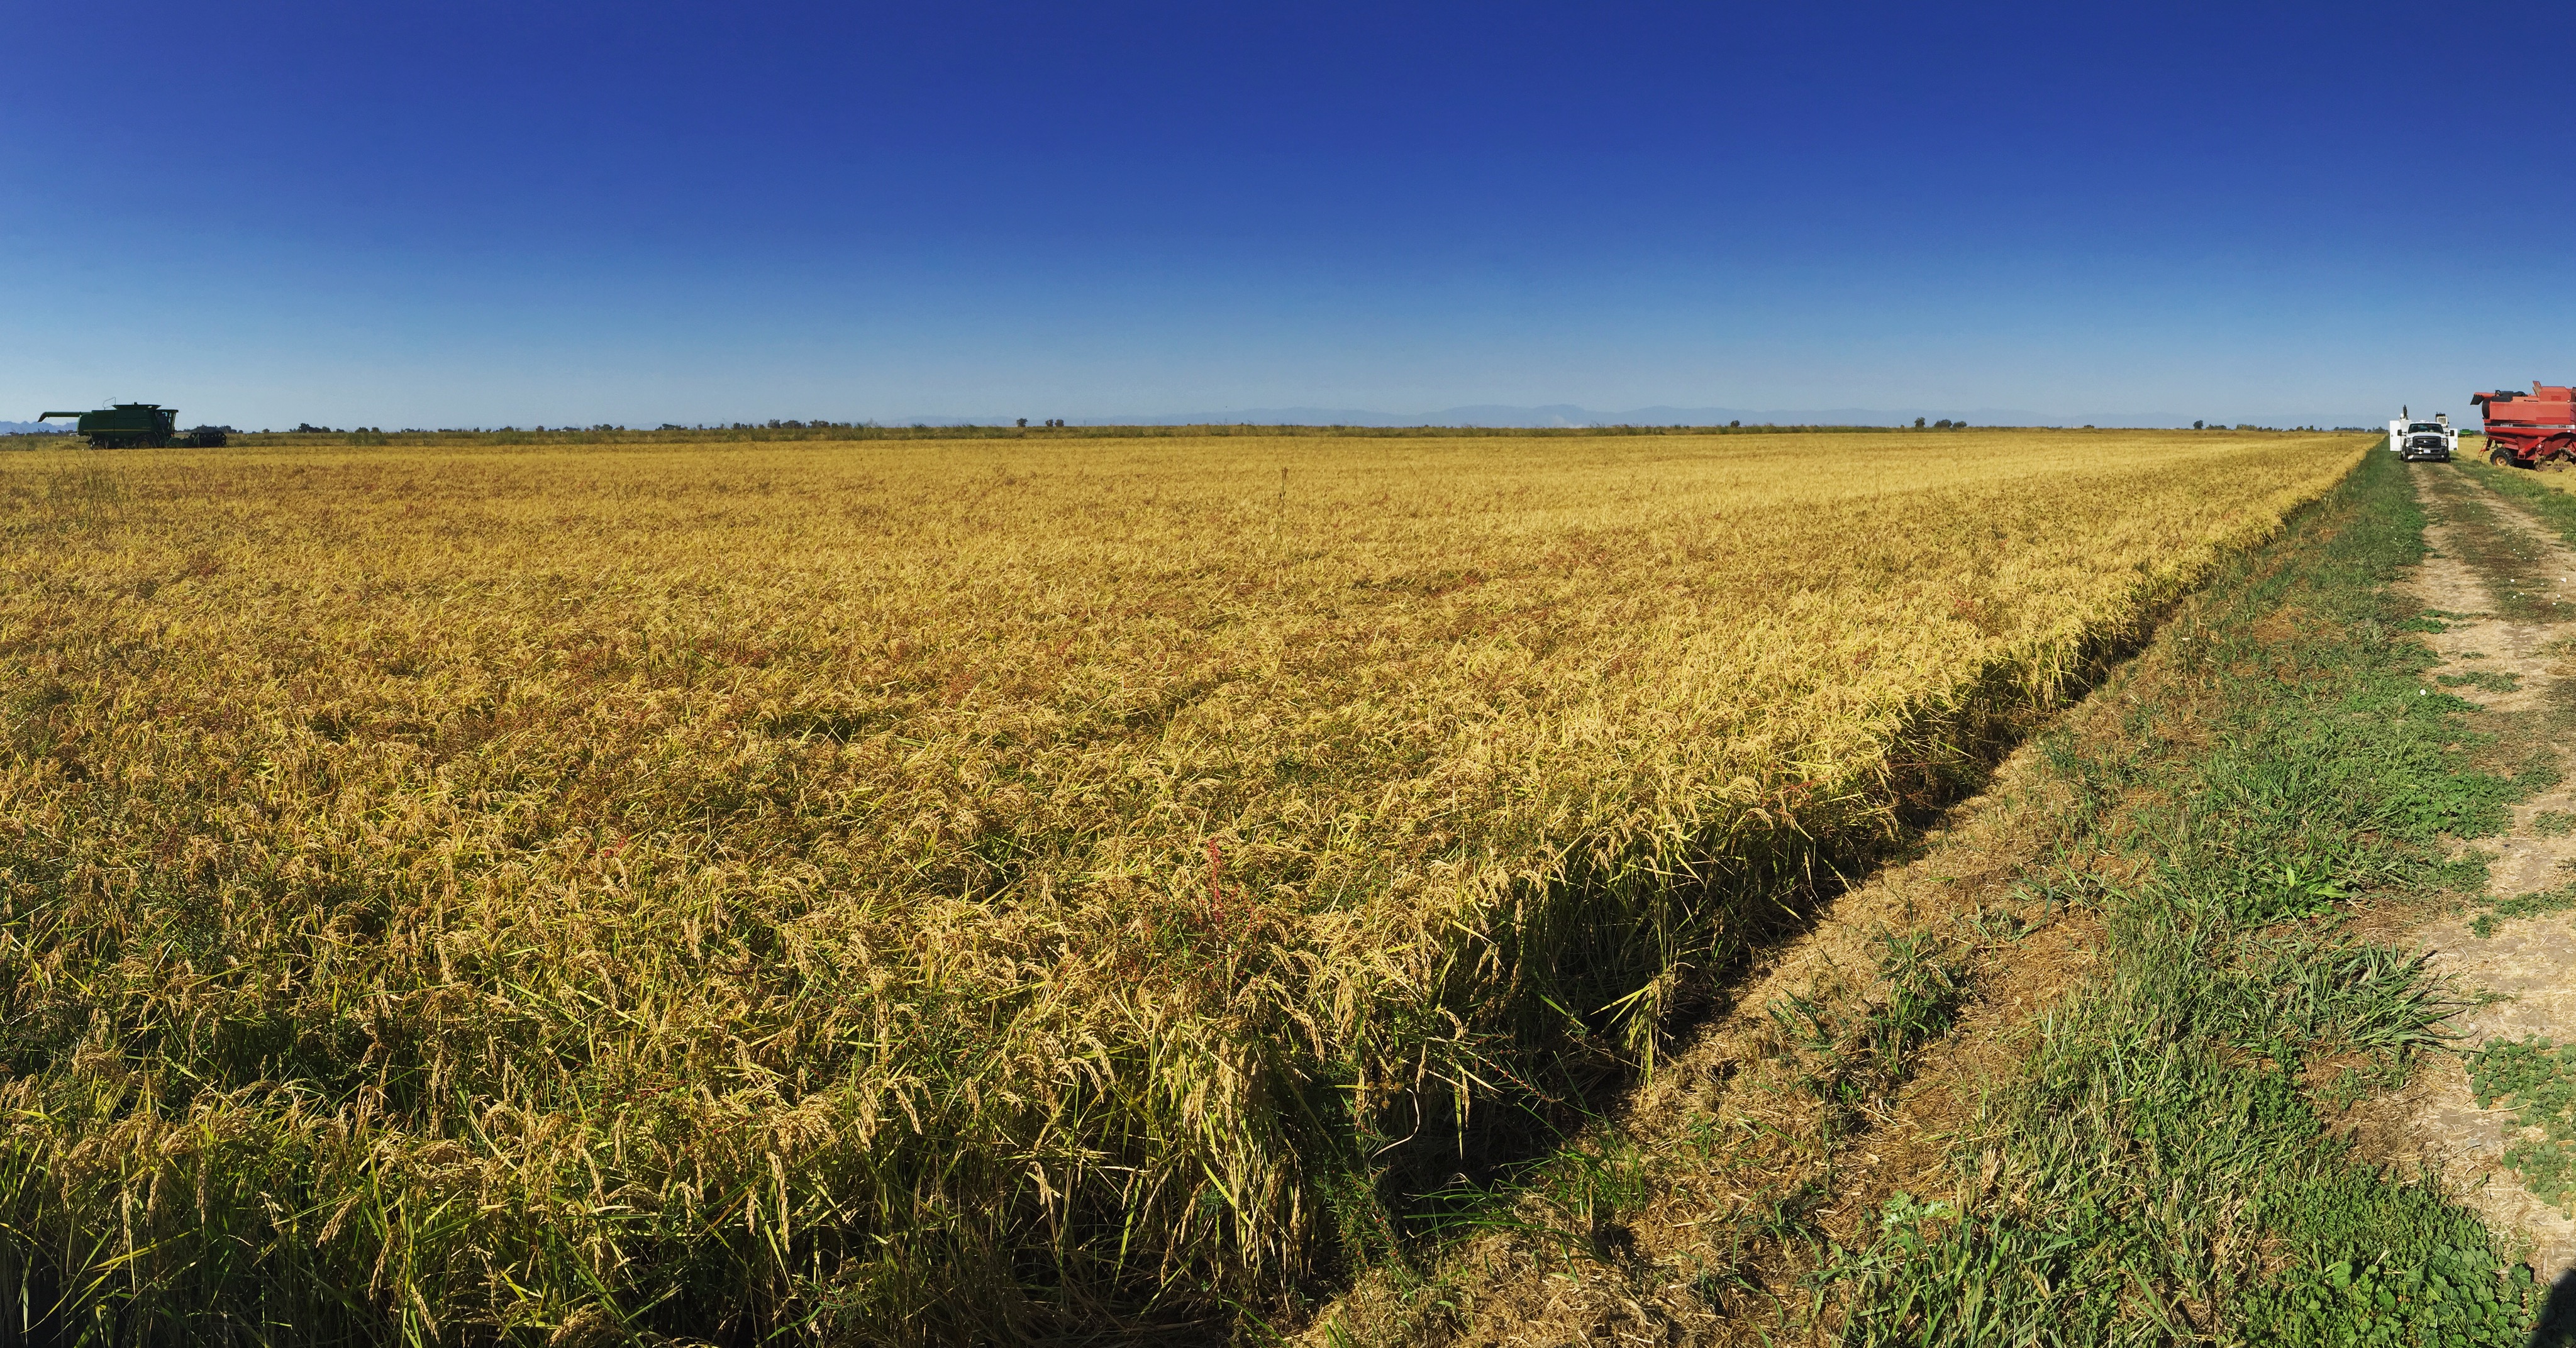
[{"x": 2160, "y": 1170}]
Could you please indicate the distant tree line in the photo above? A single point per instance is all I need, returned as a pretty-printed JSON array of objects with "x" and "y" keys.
[{"x": 1049, "y": 429}]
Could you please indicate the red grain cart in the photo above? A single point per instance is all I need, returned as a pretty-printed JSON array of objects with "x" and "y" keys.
[{"x": 2526, "y": 430}]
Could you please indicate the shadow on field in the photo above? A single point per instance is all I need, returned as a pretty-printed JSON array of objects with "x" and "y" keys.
[{"x": 2557, "y": 1325}]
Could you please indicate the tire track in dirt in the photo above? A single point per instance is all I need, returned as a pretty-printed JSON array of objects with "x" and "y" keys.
[{"x": 2505, "y": 589}]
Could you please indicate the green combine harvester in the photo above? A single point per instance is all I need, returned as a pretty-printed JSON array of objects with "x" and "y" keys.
[{"x": 129, "y": 425}]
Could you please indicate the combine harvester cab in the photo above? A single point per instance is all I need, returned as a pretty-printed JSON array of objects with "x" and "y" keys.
[
  {"x": 2419, "y": 441},
  {"x": 128, "y": 425},
  {"x": 2527, "y": 430}
]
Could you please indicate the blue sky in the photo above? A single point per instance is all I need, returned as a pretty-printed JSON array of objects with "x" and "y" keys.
[{"x": 479, "y": 214}]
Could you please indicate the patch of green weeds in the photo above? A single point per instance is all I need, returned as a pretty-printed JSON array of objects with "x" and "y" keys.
[
  {"x": 2539, "y": 904},
  {"x": 2486, "y": 679},
  {"x": 2539, "y": 769},
  {"x": 2367, "y": 1256},
  {"x": 1856, "y": 1047},
  {"x": 2553, "y": 824},
  {"x": 1784, "y": 1217},
  {"x": 2320, "y": 996},
  {"x": 1586, "y": 1190},
  {"x": 2433, "y": 619},
  {"x": 1575, "y": 1200},
  {"x": 2158, "y": 1171},
  {"x": 2463, "y": 874},
  {"x": 2537, "y": 1080}
]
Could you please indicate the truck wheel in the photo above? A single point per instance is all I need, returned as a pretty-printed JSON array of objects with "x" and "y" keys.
[{"x": 2500, "y": 458}]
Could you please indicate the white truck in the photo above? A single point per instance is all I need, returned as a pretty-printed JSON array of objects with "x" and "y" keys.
[{"x": 2412, "y": 440}]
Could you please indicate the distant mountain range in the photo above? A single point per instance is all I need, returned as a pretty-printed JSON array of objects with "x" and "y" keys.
[
  {"x": 1567, "y": 414},
  {"x": 34, "y": 427}
]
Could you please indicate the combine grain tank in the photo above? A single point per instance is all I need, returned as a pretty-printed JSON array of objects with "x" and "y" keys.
[
  {"x": 126, "y": 425},
  {"x": 2526, "y": 430}
]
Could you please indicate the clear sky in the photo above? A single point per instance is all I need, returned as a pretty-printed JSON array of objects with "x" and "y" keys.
[{"x": 471, "y": 213}]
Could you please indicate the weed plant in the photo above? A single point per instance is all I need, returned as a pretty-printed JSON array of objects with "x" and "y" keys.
[
  {"x": 1852, "y": 1052},
  {"x": 2485, "y": 680},
  {"x": 2537, "y": 1079},
  {"x": 951, "y": 891},
  {"x": 2537, "y": 904}
]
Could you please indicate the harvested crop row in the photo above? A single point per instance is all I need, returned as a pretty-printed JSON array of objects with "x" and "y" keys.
[{"x": 939, "y": 890}]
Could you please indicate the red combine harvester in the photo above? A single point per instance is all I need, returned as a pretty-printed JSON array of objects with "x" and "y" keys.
[{"x": 2526, "y": 430}]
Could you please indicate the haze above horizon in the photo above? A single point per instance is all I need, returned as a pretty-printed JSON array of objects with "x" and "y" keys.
[{"x": 476, "y": 214}]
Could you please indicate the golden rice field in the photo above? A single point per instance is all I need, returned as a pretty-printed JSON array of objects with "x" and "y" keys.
[{"x": 940, "y": 891}]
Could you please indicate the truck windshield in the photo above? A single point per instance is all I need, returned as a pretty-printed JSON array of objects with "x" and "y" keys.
[{"x": 2425, "y": 427}]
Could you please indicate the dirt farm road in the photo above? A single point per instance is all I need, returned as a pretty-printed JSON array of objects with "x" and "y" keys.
[{"x": 2505, "y": 588}]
